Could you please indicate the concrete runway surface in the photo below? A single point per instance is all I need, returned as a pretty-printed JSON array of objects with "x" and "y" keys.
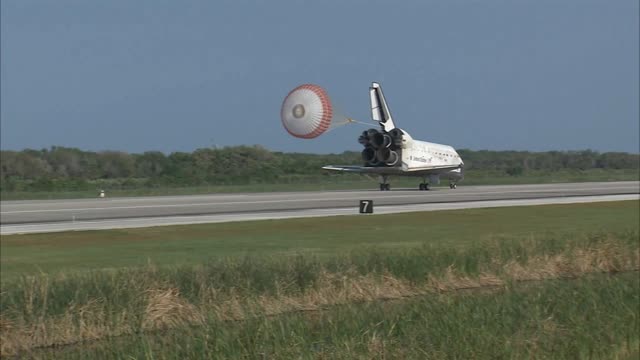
[{"x": 108, "y": 213}]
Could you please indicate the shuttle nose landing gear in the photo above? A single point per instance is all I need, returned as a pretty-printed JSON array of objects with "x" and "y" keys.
[
  {"x": 384, "y": 185},
  {"x": 452, "y": 185}
]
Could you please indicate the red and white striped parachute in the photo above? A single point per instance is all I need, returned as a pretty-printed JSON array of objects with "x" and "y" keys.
[{"x": 307, "y": 112}]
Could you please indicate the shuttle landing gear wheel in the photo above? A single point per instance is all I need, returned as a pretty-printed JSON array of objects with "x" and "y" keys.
[
  {"x": 384, "y": 185},
  {"x": 452, "y": 186},
  {"x": 424, "y": 186}
]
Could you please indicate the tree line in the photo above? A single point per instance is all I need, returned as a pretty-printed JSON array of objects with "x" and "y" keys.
[{"x": 62, "y": 168}]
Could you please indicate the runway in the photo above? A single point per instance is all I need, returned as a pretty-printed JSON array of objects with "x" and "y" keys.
[{"x": 86, "y": 214}]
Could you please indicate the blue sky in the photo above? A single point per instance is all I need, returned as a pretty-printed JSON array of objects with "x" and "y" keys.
[{"x": 180, "y": 75}]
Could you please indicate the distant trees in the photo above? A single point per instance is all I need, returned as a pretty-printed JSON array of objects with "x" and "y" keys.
[
  {"x": 150, "y": 164},
  {"x": 550, "y": 160},
  {"x": 61, "y": 168}
]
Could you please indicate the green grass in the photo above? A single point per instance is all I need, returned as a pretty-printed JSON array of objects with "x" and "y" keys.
[
  {"x": 262, "y": 275},
  {"x": 175, "y": 245},
  {"x": 593, "y": 317},
  {"x": 41, "y": 310},
  {"x": 342, "y": 182}
]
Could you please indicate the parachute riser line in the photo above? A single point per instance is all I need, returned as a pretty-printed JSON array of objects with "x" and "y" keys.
[{"x": 346, "y": 122}]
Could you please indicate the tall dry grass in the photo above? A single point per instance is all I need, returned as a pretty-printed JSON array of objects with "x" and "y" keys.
[
  {"x": 594, "y": 316},
  {"x": 44, "y": 311}
]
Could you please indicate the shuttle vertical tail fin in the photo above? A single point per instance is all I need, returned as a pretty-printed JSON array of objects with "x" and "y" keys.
[{"x": 379, "y": 109}]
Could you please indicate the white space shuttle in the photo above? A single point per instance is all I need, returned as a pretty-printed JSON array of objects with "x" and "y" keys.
[{"x": 391, "y": 151}]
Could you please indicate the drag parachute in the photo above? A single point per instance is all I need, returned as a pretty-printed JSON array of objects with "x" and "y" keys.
[{"x": 307, "y": 112}]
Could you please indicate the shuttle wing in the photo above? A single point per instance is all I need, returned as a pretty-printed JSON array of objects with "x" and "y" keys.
[
  {"x": 440, "y": 168},
  {"x": 427, "y": 170},
  {"x": 363, "y": 169}
]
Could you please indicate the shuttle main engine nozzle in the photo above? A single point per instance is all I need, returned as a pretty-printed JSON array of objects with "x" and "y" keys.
[
  {"x": 369, "y": 155},
  {"x": 387, "y": 156}
]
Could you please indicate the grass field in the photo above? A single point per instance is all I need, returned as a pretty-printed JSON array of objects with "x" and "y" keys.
[
  {"x": 174, "y": 245},
  {"x": 557, "y": 281},
  {"x": 342, "y": 182}
]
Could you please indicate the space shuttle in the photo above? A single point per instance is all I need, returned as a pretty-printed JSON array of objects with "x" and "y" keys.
[{"x": 391, "y": 151}]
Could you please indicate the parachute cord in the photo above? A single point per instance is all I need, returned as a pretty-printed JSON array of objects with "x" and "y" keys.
[
  {"x": 359, "y": 122},
  {"x": 347, "y": 122}
]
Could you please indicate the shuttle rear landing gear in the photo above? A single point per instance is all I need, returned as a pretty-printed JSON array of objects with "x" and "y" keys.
[
  {"x": 424, "y": 186},
  {"x": 452, "y": 185},
  {"x": 384, "y": 185}
]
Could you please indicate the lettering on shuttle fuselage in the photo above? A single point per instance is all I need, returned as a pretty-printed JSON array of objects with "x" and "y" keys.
[{"x": 420, "y": 159}]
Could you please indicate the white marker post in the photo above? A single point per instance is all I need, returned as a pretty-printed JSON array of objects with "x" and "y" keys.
[{"x": 101, "y": 194}]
